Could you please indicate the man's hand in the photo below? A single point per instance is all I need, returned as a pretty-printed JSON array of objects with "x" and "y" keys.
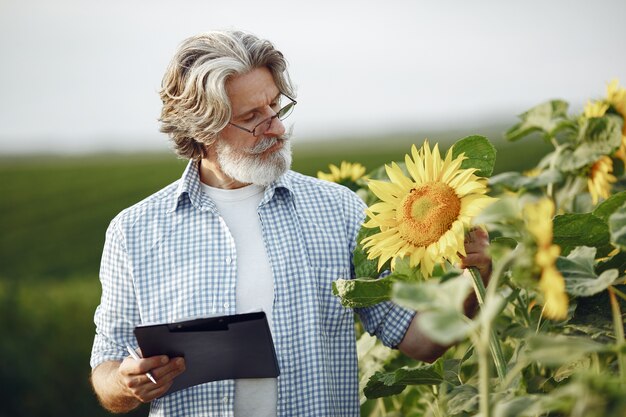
[
  {"x": 123, "y": 386},
  {"x": 476, "y": 244},
  {"x": 133, "y": 379}
]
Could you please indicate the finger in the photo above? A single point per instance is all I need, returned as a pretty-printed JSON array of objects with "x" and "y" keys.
[
  {"x": 157, "y": 391},
  {"x": 475, "y": 259},
  {"x": 176, "y": 365},
  {"x": 169, "y": 373},
  {"x": 132, "y": 366}
]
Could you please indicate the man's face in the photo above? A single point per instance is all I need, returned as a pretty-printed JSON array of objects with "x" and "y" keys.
[{"x": 242, "y": 156}]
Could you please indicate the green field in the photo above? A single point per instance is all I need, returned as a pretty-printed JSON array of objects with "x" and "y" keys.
[{"x": 53, "y": 215}]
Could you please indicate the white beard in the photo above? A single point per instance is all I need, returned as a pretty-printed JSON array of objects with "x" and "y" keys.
[{"x": 249, "y": 167}]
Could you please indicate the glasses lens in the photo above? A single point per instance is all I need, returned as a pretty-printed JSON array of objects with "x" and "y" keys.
[
  {"x": 262, "y": 127},
  {"x": 286, "y": 109}
]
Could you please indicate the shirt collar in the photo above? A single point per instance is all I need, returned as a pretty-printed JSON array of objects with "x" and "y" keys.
[{"x": 189, "y": 185}]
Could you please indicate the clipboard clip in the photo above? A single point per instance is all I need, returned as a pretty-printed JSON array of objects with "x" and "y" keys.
[{"x": 201, "y": 325}]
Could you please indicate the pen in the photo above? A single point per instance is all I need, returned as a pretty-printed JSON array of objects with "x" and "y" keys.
[{"x": 135, "y": 356}]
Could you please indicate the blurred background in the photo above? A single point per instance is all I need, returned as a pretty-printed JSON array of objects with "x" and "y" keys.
[{"x": 79, "y": 138}]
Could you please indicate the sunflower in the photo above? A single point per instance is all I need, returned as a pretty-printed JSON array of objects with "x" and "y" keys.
[
  {"x": 616, "y": 97},
  {"x": 424, "y": 216},
  {"x": 595, "y": 109},
  {"x": 551, "y": 284},
  {"x": 347, "y": 171},
  {"x": 600, "y": 179}
]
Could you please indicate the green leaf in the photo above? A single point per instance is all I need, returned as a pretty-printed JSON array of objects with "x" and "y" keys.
[
  {"x": 384, "y": 384},
  {"x": 519, "y": 406},
  {"x": 617, "y": 226},
  {"x": 505, "y": 242},
  {"x": 579, "y": 229},
  {"x": 598, "y": 136},
  {"x": 405, "y": 272},
  {"x": 515, "y": 181},
  {"x": 445, "y": 326},
  {"x": 362, "y": 292},
  {"x": 556, "y": 350},
  {"x": 479, "y": 152},
  {"x": 571, "y": 368},
  {"x": 579, "y": 275},
  {"x": 364, "y": 267},
  {"x": 618, "y": 261},
  {"x": 432, "y": 295},
  {"x": 440, "y": 305},
  {"x": 545, "y": 118},
  {"x": 610, "y": 205},
  {"x": 463, "y": 398},
  {"x": 503, "y": 209}
]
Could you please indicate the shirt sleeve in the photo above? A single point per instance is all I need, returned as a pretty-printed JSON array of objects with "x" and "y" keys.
[
  {"x": 387, "y": 321},
  {"x": 117, "y": 314}
]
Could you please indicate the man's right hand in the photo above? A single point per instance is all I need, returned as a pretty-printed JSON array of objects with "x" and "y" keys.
[
  {"x": 133, "y": 379},
  {"x": 123, "y": 386}
]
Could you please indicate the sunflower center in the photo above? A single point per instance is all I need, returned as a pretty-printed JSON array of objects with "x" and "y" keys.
[{"x": 427, "y": 212}]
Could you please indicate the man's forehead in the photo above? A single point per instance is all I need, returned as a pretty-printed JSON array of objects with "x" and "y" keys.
[{"x": 253, "y": 89}]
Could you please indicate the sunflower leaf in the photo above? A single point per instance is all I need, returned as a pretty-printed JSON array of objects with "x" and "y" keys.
[
  {"x": 580, "y": 277},
  {"x": 440, "y": 306},
  {"x": 433, "y": 295},
  {"x": 579, "y": 229},
  {"x": 597, "y": 137},
  {"x": 556, "y": 350},
  {"x": 384, "y": 384},
  {"x": 407, "y": 273},
  {"x": 462, "y": 399},
  {"x": 364, "y": 267},
  {"x": 610, "y": 205},
  {"x": 479, "y": 152},
  {"x": 362, "y": 292},
  {"x": 617, "y": 226},
  {"x": 515, "y": 181},
  {"x": 445, "y": 326},
  {"x": 546, "y": 117}
]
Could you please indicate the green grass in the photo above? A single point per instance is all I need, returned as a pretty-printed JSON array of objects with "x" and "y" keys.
[{"x": 53, "y": 216}]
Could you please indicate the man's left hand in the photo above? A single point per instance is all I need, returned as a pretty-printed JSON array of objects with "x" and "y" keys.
[{"x": 476, "y": 244}]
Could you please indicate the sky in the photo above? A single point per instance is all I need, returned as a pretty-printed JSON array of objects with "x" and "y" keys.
[{"x": 83, "y": 75}]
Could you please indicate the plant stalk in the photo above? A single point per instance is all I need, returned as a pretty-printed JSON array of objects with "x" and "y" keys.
[
  {"x": 481, "y": 348},
  {"x": 494, "y": 343},
  {"x": 619, "y": 335}
]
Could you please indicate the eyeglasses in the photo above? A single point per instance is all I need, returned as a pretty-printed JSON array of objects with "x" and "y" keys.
[{"x": 284, "y": 110}]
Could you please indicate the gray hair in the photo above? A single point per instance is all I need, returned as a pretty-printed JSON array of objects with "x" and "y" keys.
[{"x": 193, "y": 91}]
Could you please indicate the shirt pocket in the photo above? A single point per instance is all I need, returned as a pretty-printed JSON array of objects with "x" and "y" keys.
[{"x": 334, "y": 317}]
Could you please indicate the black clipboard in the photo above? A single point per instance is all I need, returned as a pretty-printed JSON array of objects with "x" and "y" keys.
[{"x": 214, "y": 348}]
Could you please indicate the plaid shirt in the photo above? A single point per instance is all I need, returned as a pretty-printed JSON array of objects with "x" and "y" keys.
[{"x": 171, "y": 257}]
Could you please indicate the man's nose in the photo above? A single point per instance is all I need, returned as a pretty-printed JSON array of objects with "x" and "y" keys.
[{"x": 276, "y": 128}]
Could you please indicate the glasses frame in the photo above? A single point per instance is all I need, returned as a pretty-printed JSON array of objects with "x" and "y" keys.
[{"x": 269, "y": 119}]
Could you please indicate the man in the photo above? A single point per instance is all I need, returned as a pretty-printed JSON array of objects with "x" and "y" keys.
[{"x": 238, "y": 232}]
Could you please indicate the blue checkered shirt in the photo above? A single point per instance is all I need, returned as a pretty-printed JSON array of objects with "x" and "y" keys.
[{"x": 171, "y": 257}]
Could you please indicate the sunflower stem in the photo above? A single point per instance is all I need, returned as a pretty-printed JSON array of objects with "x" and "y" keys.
[
  {"x": 481, "y": 345},
  {"x": 619, "y": 335},
  {"x": 494, "y": 343}
]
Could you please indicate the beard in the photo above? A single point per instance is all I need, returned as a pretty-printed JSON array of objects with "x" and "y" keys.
[{"x": 250, "y": 166}]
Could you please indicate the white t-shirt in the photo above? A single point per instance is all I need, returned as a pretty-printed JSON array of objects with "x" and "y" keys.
[{"x": 255, "y": 285}]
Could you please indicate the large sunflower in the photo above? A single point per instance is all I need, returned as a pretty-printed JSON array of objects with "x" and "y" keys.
[
  {"x": 538, "y": 217},
  {"x": 424, "y": 216}
]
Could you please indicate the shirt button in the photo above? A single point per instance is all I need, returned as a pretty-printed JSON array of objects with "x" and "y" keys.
[
  {"x": 225, "y": 399},
  {"x": 226, "y": 305},
  {"x": 229, "y": 260}
]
